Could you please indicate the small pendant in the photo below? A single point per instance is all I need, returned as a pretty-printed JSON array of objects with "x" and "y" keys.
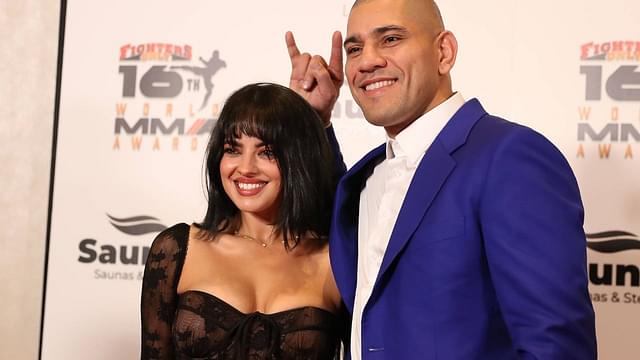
[{"x": 264, "y": 245}]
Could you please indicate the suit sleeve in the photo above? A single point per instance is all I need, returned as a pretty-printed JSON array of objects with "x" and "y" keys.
[
  {"x": 532, "y": 220},
  {"x": 339, "y": 167}
]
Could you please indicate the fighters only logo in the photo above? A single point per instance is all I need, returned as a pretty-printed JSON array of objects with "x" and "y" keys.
[
  {"x": 165, "y": 97},
  {"x": 608, "y": 118}
]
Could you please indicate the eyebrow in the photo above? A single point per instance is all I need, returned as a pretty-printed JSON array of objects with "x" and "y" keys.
[
  {"x": 378, "y": 31},
  {"x": 236, "y": 143}
]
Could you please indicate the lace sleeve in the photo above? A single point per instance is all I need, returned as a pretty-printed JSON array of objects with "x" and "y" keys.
[{"x": 159, "y": 297}]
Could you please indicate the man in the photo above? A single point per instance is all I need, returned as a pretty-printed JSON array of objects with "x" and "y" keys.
[{"x": 461, "y": 237}]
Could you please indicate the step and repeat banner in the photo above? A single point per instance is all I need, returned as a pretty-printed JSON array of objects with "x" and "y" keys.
[{"x": 142, "y": 84}]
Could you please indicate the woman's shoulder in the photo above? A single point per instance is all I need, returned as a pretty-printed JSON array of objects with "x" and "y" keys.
[
  {"x": 314, "y": 249},
  {"x": 317, "y": 245},
  {"x": 172, "y": 239}
]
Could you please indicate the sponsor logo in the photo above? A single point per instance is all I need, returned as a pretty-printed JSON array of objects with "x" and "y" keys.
[
  {"x": 165, "y": 103},
  {"x": 609, "y": 118},
  {"x": 137, "y": 225},
  {"x": 120, "y": 262},
  {"x": 611, "y": 282},
  {"x": 611, "y": 51},
  {"x": 155, "y": 51},
  {"x": 613, "y": 241},
  {"x": 346, "y": 109}
]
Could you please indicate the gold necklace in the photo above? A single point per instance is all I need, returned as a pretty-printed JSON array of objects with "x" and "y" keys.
[{"x": 262, "y": 243}]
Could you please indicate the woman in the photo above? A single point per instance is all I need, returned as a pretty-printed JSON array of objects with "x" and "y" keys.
[{"x": 253, "y": 280}]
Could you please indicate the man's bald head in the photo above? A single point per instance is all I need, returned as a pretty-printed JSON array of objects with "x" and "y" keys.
[
  {"x": 398, "y": 60},
  {"x": 427, "y": 10}
]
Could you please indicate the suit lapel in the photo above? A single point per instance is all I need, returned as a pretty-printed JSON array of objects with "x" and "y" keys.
[
  {"x": 344, "y": 225},
  {"x": 435, "y": 167},
  {"x": 430, "y": 176}
]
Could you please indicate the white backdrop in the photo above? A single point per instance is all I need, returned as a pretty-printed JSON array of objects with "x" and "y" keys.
[{"x": 131, "y": 134}]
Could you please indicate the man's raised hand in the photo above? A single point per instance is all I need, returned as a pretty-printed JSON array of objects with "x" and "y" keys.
[{"x": 315, "y": 80}]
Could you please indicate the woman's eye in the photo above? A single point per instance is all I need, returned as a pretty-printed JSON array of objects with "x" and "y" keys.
[
  {"x": 268, "y": 153},
  {"x": 229, "y": 150}
]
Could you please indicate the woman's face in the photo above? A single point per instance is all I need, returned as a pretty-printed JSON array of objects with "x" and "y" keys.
[{"x": 250, "y": 176}]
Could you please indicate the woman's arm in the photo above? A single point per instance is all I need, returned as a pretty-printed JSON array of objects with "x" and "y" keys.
[{"x": 159, "y": 297}]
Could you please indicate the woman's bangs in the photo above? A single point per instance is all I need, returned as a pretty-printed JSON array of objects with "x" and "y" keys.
[{"x": 251, "y": 122}]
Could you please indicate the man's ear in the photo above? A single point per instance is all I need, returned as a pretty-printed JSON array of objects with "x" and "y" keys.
[{"x": 448, "y": 47}]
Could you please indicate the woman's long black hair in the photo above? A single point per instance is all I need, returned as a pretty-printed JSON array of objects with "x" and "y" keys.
[{"x": 285, "y": 122}]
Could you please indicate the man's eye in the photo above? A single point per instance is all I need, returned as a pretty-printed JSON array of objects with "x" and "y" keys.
[
  {"x": 352, "y": 50},
  {"x": 390, "y": 39}
]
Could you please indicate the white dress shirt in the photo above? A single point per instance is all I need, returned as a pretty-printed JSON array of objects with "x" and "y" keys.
[{"x": 382, "y": 197}]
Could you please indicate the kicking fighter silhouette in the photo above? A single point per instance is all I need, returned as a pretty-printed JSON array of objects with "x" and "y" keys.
[{"x": 210, "y": 68}]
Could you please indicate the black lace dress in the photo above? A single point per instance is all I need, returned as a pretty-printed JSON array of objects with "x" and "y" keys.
[{"x": 198, "y": 325}]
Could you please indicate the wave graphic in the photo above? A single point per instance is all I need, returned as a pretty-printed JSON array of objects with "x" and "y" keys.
[
  {"x": 613, "y": 241},
  {"x": 137, "y": 225}
]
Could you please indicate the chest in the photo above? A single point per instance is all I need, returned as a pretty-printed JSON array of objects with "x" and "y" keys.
[
  {"x": 255, "y": 280},
  {"x": 207, "y": 327}
]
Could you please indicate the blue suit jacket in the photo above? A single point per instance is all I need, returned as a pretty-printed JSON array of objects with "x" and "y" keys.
[{"x": 487, "y": 258}]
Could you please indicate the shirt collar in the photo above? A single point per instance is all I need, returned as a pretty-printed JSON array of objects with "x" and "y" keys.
[{"x": 416, "y": 138}]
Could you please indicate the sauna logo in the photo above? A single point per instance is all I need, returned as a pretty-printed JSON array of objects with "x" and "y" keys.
[
  {"x": 122, "y": 257},
  {"x": 612, "y": 281}
]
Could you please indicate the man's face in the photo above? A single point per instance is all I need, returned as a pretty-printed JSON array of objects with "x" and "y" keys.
[{"x": 393, "y": 61}]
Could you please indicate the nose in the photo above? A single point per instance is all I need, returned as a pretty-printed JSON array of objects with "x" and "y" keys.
[
  {"x": 371, "y": 59},
  {"x": 247, "y": 165}
]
